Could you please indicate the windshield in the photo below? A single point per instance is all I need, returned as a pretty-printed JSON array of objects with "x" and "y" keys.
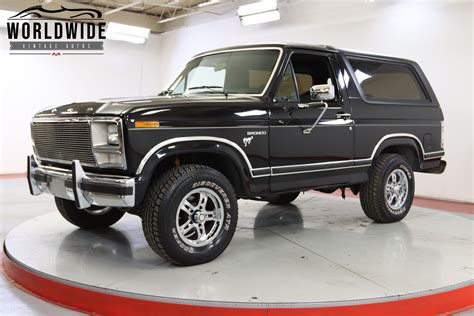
[{"x": 236, "y": 72}]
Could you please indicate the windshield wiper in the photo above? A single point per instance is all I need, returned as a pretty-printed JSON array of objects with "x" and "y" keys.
[{"x": 210, "y": 88}]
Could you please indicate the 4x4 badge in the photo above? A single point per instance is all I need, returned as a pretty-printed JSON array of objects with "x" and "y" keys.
[{"x": 247, "y": 140}]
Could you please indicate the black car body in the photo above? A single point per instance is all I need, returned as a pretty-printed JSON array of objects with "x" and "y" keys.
[{"x": 277, "y": 138}]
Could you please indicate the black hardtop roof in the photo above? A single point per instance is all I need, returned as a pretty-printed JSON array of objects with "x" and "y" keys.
[{"x": 324, "y": 48}]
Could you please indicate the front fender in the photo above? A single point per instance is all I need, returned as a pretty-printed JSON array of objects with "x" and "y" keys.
[{"x": 188, "y": 145}]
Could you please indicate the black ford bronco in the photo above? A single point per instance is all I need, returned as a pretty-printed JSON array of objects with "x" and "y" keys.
[{"x": 259, "y": 122}]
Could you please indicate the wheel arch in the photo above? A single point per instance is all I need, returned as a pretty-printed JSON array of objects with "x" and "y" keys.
[
  {"x": 222, "y": 156},
  {"x": 407, "y": 146}
]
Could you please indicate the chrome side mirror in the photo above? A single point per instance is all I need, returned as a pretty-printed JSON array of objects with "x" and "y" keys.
[{"x": 322, "y": 92}]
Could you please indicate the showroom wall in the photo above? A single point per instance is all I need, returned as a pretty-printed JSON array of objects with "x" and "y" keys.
[
  {"x": 437, "y": 34},
  {"x": 30, "y": 83}
]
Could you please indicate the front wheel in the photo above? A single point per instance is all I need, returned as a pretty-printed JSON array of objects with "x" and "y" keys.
[
  {"x": 388, "y": 195},
  {"x": 190, "y": 214},
  {"x": 90, "y": 218}
]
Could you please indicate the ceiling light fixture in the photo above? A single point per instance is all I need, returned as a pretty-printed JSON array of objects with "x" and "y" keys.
[
  {"x": 209, "y": 3},
  {"x": 4, "y": 15},
  {"x": 259, "y": 12},
  {"x": 257, "y": 7},
  {"x": 127, "y": 33},
  {"x": 259, "y": 18}
]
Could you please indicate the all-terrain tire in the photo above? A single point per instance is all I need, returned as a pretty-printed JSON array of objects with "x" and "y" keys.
[
  {"x": 282, "y": 199},
  {"x": 161, "y": 215},
  {"x": 85, "y": 220},
  {"x": 373, "y": 195}
]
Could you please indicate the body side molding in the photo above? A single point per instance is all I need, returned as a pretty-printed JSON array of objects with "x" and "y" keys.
[{"x": 277, "y": 170}]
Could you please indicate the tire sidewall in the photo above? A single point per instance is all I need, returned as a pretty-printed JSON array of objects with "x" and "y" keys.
[
  {"x": 171, "y": 201},
  {"x": 397, "y": 163}
]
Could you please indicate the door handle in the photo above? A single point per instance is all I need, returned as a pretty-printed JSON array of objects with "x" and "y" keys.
[{"x": 343, "y": 116}]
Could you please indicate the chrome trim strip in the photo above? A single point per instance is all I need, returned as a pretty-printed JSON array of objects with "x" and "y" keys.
[
  {"x": 271, "y": 169},
  {"x": 270, "y": 79},
  {"x": 74, "y": 119},
  {"x": 190, "y": 139},
  {"x": 402, "y": 135},
  {"x": 318, "y": 170},
  {"x": 314, "y": 164},
  {"x": 198, "y": 127}
]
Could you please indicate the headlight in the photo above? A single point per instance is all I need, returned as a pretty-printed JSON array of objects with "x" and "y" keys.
[
  {"x": 113, "y": 135},
  {"x": 107, "y": 144}
]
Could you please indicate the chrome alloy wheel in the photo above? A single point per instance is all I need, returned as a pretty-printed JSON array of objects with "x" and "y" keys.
[
  {"x": 396, "y": 189},
  {"x": 200, "y": 217}
]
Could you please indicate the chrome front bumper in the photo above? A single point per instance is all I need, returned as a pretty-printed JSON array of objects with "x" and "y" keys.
[{"x": 85, "y": 189}]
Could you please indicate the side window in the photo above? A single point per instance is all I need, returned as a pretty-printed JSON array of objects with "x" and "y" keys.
[
  {"x": 310, "y": 70},
  {"x": 387, "y": 81},
  {"x": 287, "y": 89}
]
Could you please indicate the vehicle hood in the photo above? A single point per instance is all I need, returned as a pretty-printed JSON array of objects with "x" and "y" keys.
[{"x": 123, "y": 106}]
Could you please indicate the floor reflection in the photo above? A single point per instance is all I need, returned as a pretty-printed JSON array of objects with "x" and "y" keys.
[
  {"x": 82, "y": 251},
  {"x": 341, "y": 238},
  {"x": 271, "y": 215}
]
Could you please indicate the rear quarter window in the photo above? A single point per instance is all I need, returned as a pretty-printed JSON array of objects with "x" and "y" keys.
[{"x": 387, "y": 81}]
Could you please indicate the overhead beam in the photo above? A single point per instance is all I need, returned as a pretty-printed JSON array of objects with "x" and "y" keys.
[
  {"x": 132, "y": 4},
  {"x": 178, "y": 16}
]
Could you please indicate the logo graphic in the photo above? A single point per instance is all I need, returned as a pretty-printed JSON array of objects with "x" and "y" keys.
[
  {"x": 247, "y": 140},
  {"x": 56, "y": 32},
  {"x": 256, "y": 133}
]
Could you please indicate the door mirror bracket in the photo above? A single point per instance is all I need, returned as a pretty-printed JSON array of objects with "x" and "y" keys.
[{"x": 324, "y": 107}]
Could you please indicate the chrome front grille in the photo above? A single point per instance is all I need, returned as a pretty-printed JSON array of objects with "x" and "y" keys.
[{"x": 63, "y": 141}]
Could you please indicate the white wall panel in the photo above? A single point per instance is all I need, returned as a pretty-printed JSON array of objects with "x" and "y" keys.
[{"x": 30, "y": 83}]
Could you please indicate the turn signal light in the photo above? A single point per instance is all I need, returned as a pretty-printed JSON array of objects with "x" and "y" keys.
[{"x": 147, "y": 124}]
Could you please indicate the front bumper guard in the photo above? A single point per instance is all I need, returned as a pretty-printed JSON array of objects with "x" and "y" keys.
[{"x": 83, "y": 188}]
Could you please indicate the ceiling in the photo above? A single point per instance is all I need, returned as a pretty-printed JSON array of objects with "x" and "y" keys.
[
  {"x": 162, "y": 10},
  {"x": 157, "y": 15}
]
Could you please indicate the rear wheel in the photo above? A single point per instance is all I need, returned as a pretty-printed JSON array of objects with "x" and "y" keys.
[
  {"x": 388, "y": 195},
  {"x": 92, "y": 217},
  {"x": 281, "y": 199},
  {"x": 190, "y": 214}
]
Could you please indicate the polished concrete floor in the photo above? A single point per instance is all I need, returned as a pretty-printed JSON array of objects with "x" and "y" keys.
[
  {"x": 14, "y": 197},
  {"x": 321, "y": 248}
]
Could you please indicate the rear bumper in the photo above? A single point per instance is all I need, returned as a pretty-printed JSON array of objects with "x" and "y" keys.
[
  {"x": 84, "y": 188},
  {"x": 434, "y": 166}
]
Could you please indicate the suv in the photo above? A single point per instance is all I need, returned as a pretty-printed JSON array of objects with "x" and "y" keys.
[{"x": 262, "y": 122}]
